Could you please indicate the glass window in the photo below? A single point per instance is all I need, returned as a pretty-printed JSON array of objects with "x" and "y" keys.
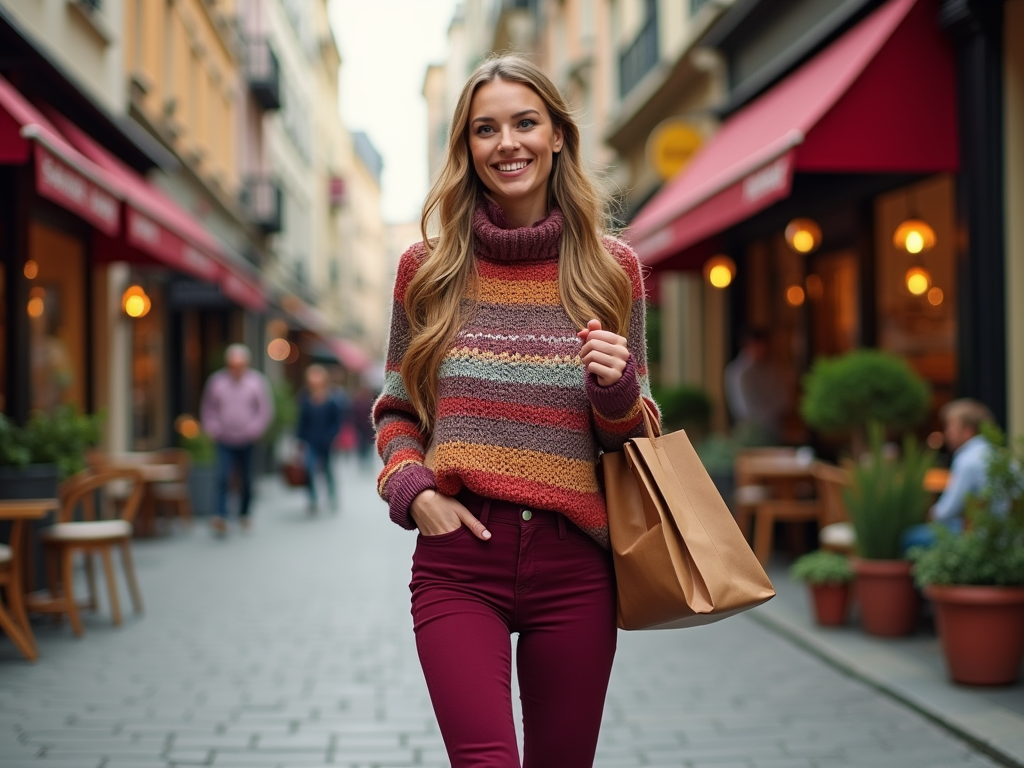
[{"x": 56, "y": 310}]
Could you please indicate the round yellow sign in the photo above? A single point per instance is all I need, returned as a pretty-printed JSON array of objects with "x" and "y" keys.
[{"x": 671, "y": 146}]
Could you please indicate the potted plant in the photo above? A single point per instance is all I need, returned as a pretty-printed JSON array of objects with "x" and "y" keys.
[
  {"x": 843, "y": 394},
  {"x": 976, "y": 579},
  {"x": 885, "y": 497},
  {"x": 51, "y": 446},
  {"x": 828, "y": 576},
  {"x": 202, "y": 474}
]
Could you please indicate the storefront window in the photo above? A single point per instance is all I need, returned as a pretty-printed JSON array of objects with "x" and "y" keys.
[
  {"x": 56, "y": 310},
  {"x": 916, "y": 293}
]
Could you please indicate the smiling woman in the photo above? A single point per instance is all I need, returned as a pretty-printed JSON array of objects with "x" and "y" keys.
[
  {"x": 513, "y": 151},
  {"x": 517, "y": 353}
]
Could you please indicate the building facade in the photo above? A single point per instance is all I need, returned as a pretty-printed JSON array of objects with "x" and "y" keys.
[{"x": 175, "y": 176}]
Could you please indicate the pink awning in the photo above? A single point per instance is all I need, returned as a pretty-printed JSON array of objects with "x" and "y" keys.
[
  {"x": 881, "y": 99},
  {"x": 154, "y": 223},
  {"x": 63, "y": 175}
]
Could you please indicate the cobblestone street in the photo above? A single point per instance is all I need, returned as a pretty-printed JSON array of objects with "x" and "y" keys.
[{"x": 291, "y": 646}]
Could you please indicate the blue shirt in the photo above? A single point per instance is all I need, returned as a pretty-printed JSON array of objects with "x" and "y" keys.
[{"x": 966, "y": 475}]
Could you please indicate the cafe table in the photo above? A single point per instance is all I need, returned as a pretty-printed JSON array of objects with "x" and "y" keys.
[{"x": 17, "y": 574}]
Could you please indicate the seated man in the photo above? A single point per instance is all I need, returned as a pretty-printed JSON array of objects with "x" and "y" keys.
[{"x": 961, "y": 420}]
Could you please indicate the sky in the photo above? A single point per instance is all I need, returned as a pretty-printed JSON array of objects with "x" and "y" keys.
[{"x": 386, "y": 46}]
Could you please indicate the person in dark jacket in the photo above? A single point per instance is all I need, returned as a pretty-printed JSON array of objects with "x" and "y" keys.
[{"x": 321, "y": 414}]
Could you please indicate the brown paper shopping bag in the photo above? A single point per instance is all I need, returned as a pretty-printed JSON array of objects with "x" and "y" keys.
[{"x": 680, "y": 559}]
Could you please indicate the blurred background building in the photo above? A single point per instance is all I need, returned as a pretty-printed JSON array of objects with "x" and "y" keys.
[
  {"x": 174, "y": 177},
  {"x": 840, "y": 173}
]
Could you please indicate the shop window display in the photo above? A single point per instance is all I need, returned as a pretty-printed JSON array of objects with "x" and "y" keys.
[{"x": 56, "y": 311}]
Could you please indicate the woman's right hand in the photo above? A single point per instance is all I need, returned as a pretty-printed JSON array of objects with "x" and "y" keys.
[{"x": 435, "y": 514}]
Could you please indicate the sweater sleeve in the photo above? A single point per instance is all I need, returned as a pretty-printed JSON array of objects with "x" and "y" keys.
[
  {"x": 618, "y": 409},
  {"x": 400, "y": 441}
]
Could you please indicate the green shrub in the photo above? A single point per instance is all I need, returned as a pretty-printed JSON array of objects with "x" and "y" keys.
[
  {"x": 842, "y": 394},
  {"x": 200, "y": 448},
  {"x": 684, "y": 407},
  {"x": 60, "y": 437},
  {"x": 887, "y": 496},
  {"x": 991, "y": 551},
  {"x": 821, "y": 567}
]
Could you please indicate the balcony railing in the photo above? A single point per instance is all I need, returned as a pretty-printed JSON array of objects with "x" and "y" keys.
[
  {"x": 263, "y": 73},
  {"x": 640, "y": 57},
  {"x": 263, "y": 200}
]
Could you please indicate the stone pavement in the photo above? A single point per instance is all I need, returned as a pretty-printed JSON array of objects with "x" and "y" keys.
[{"x": 291, "y": 646}]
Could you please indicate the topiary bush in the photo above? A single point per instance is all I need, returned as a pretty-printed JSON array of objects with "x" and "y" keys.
[
  {"x": 843, "y": 394},
  {"x": 684, "y": 407},
  {"x": 821, "y": 567}
]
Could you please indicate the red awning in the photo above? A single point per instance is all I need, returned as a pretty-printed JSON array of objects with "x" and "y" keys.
[
  {"x": 154, "y": 223},
  {"x": 881, "y": 99},
  {"x": 63, "y": 175}
]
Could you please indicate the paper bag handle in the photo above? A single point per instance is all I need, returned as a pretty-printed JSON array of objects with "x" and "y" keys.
[{"x": 651, "y": 424}]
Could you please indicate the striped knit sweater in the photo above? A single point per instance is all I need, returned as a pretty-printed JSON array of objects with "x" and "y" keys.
[{"x": 518, "y": 417}]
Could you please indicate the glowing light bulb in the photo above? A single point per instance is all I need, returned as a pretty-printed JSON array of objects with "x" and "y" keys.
[
  {"x": 914, "y": 236},
  {"x": 795, "y": 296},
  {"x": 31, "y": 270},
  {"x": 918, "y": 281},
  {"x": 935, "y": 296},
  {"x": 279, "y": 349},
  {"x": 719, "y": 271},
  {"x": 803, "y": 235},
  {"x": 36, "y": 307}
]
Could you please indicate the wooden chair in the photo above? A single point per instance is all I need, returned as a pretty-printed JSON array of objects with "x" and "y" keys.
[
  {"x": 91, "y": 536},
  {"x": 172, "y": 491},
  {"x": 749, "y": 492},
  {"x": 166, "y": 478},
  {"x": 13, "y": 616},
  {"x": 836, "y": 533}
]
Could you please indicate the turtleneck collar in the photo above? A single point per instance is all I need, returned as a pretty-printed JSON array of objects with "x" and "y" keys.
[{"x": 494, "y": 241}]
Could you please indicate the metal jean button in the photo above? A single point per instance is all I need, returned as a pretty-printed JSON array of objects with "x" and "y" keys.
[{"x": 527, "y": 514}]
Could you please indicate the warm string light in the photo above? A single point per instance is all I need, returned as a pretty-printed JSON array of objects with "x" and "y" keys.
[
  {"x": 135, "y": 302},
  {"x": 918, "y": 281},
  {"x": 803, "y": 235},
  {"x": 914, "y": 236},
  {"x": 279, "y": 350},
  {"x": 719, "y": 271}
]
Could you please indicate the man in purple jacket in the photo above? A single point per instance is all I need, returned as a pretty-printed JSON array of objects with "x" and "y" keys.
[{"x": 236, "y": 411}]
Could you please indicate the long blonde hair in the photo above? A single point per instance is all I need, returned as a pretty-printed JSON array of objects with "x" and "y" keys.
[{"x": 591, "y": 283}]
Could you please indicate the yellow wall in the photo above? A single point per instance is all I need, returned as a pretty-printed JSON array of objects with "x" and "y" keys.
[
  {"x": 1014, "y": 31},
  {"x": 184, "y": 79}
]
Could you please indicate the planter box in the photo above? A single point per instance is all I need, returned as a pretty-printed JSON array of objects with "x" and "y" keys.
[
  {"x": 889, "y": 605},
  {"x": 202, "y": 489},
  {"x": 35, "y": 481},
  {"x": 982, "y": 632}
]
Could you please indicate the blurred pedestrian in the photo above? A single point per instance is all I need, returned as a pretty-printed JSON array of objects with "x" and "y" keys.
[
  {"x": 322, "y": 411},
  {"x": 497, "y": 361},
  {"x": 236, "y": 411},
  {"x": 962, "y": 421},
  {"x": 755, "y": 387}
]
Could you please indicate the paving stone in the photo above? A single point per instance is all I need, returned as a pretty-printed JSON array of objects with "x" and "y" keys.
[{"x": 292, "y": 646}]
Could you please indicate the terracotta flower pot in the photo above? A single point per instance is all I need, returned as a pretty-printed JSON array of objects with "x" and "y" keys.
[
  {"x": 889, "y": 604},
  {"x": 830, "y": 603},
  {"x": 982, "y": 632}
]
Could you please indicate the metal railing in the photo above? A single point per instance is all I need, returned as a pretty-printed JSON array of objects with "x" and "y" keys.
[
  {"x": 263, "y": 73},
  {"x": 640, "y": 57},
  {"x": 263, "y": 200}
]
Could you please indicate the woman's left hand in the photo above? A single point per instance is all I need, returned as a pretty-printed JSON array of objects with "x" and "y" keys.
[{"x": 604, "y": 353}]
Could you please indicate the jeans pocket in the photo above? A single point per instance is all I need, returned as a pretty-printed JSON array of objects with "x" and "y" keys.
[{"x": 442, "y": 538}]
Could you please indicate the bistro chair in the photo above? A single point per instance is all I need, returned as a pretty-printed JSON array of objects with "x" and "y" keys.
[
  {"x": 119, "y": 489},
  {"x": 750, "y": 491},
  {"x": 13, "y": 617},
  {"x": 165, "y": 473},
  {"x": 836, "y": 534}
]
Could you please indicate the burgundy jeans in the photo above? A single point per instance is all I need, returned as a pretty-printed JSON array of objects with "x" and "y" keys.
[{"x": 543, "y": 578}]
